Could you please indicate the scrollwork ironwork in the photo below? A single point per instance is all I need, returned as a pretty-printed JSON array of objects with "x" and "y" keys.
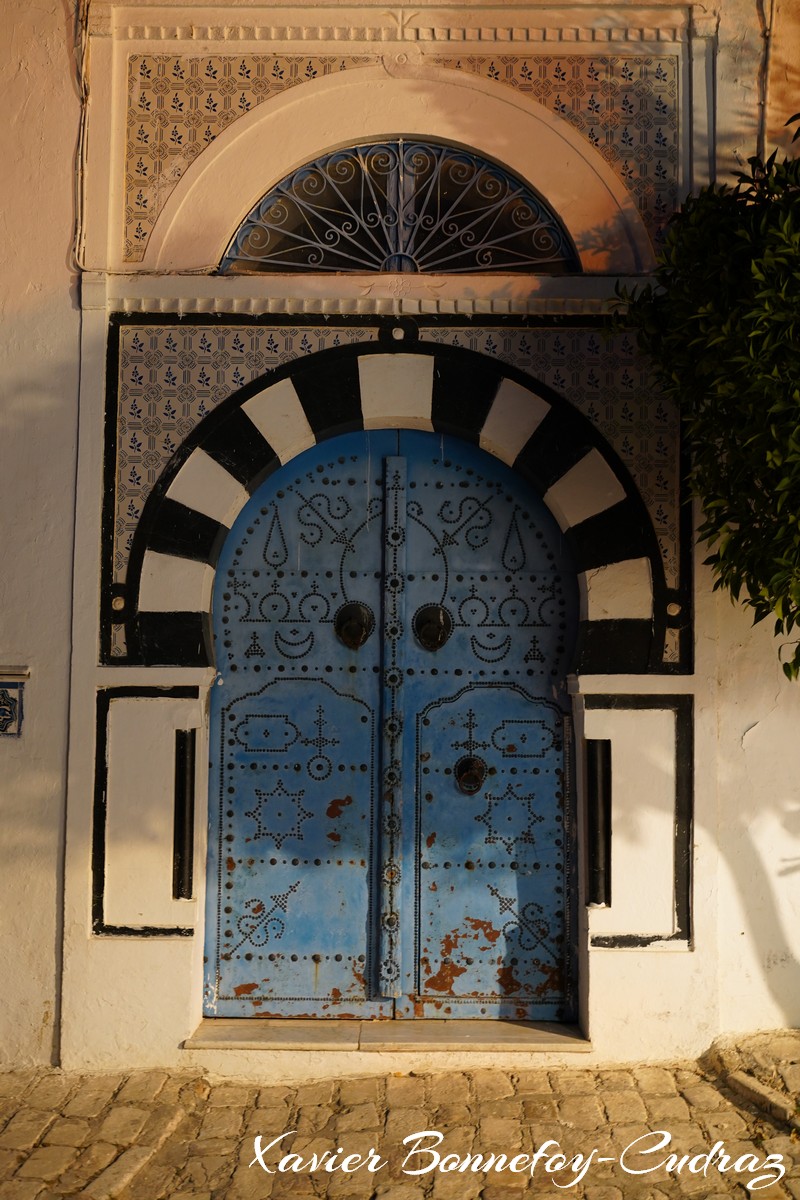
[{"x": 401, "y": 207}]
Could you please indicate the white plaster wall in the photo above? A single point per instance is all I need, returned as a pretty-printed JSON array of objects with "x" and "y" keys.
[
  {"x": 39, "y": 328},
  {"x": 759, "y": 830},
  {"x": 757, "y": 711}
]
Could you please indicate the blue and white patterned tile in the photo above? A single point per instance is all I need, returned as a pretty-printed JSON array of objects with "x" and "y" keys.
[
  {"x": 170, "y": 377},
  {"x": 178, "y": 105},
  {"x": 626, "y": 107}
]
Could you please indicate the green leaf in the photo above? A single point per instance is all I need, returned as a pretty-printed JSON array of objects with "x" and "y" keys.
[{"x": 721, "y": 326}]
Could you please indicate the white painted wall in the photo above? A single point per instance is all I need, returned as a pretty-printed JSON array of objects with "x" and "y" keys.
[
  {"x": 759, "y": 830},
  {"x": 39, "y": 330},
  {"x": 745, "y": 972}
]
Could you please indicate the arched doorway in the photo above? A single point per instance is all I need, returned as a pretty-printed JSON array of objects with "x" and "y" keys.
[{"x": 391, "y": 830}]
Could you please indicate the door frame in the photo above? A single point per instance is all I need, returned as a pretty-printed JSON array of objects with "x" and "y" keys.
[{"x": 524, "y": 423}]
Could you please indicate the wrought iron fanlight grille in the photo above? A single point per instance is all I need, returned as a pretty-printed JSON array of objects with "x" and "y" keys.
[{"x": 401, "y": 206}]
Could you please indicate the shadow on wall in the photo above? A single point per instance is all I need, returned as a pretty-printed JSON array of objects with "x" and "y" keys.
[{"x": 759, "y": 811}]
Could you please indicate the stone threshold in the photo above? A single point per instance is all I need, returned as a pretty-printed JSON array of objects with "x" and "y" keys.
[{"x": 246, "y": 1033}]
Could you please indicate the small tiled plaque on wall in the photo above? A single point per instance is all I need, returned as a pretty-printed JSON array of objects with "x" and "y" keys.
[{"x": 11, "y": 707}]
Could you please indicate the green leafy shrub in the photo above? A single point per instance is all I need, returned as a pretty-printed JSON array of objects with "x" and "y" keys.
[{"x": 721, "y": 324}]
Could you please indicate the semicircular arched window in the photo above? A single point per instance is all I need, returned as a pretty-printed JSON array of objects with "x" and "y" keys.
[{"x": 401, "y": 206}]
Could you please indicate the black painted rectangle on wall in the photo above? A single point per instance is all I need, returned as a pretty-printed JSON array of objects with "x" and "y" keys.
[
  {"x": 614, "y": 646},
  {"x": 180, "y": 639},
  {"x": 613, "y": 535},
  {"x": 463, "y": 393},
  {"x": 598, "y": 822},
  {"x": 241, "y": 449},
  {"x": 332, "y": 404},
  {"x": 185, "y": 533},
  {"x": 183, "y": 839},
  {"x": 560, "y": 441}
]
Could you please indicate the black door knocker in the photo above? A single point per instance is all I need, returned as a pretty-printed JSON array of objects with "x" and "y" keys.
[
  {"x": 470, "y": 773},
  {"x": 432, "y": 626},
  {"x": 353, "y": 623}
]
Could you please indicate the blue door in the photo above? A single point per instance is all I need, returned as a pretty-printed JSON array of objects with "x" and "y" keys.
[{"x": 390, "y": 805}]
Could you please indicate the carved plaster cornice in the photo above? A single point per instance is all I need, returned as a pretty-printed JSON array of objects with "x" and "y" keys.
[
  {"x": 364, "y": 306},
  {"x": 466, "y": 24},
  {"x": 572, "y": 35}
]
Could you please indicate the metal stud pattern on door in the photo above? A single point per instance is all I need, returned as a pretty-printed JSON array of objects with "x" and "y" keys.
[{"x": 390, "y": 782}]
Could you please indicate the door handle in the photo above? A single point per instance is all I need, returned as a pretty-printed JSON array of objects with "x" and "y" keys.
[
  {"x": 470, "y": 773},
  {"x": 353, "y": 624},
  {"x": 432, "y": 626}
]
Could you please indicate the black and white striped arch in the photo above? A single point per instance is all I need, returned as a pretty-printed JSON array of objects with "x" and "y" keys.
[{"x": 397, "y": 383}]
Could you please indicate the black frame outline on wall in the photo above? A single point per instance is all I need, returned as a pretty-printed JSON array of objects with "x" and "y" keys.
[
  {"x": 615, "y": 643},
  {"x": 683, "y": 864},
  {"x": 100, "y": 808}
]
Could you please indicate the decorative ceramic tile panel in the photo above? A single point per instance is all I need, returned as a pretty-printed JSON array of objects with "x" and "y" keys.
[
  {"x": 11, "y": 707},
  {"x": 606, "y": 380},
  {"x": 171, "y": 376},
  {"x": 627, "y": 108},
  {"x": 178, "y": 105}
]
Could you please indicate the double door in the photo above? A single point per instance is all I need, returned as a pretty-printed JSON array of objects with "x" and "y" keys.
[{"x": 390, "y": 805}]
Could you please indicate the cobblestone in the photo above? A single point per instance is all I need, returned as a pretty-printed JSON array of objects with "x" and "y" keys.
[
  {"x": 93, "y": 1097},
  {"x": 25, "y": 1129},
  {"x": 21, "y": 1189},
  {"x": 68, "y": 1131},
  {"x": 656, "y": 1081},
  {"x": 222, "y": 1123},
  {"x": 582, "y": 1112},
  {"x": 312, "y": 1120},
  {"x": 154, "y": 1136},
  {"x": 407, "y": 1091},
  {"x": 123, "y": 1124},
  {"x": 355, "y": 1092},
  {"x": 142, "y": 1088},
  {"x": 363, "y": 1116},
  {"x": 492, "y": 1085},
  {"x": 231, "y": 1097},
  {"x": 623, "y": 1107},
  {"x": 125, "y": 1168},
  {"x": 402, "y": 1121},
  {"x": 47, "y": 1162},
  {"x": 502, "y": 1132},
  {"x": 90, "y": 1163}
]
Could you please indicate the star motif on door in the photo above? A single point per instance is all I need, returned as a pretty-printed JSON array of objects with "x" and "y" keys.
[
  {"x": 279, "y": 814},
  {"x": 504, "y": 815}
]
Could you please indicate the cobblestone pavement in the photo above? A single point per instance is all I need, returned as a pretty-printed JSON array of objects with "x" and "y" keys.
[
  {"x": 154, "y": 1136},
  {"x": 771, "y": 1059}
]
